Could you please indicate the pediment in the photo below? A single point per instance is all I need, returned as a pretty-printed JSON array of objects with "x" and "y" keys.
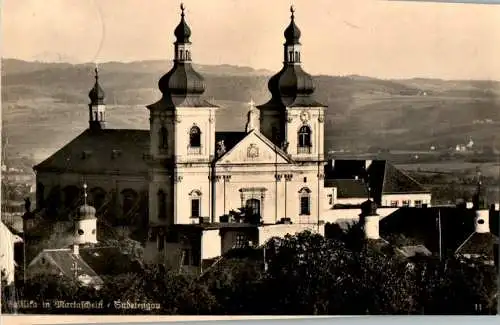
[{"x": 254, "y": 149}]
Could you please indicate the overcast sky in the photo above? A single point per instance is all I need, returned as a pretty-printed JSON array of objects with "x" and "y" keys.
[{"x": 367, "y": 37}]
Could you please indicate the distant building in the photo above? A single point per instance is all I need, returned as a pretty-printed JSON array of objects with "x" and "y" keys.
[{"x": 8, "y": 264}]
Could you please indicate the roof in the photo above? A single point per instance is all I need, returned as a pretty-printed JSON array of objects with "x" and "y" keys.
[
  {"x": 65, "y": 260},
  {"x": 482, "y": 244},
  {"x": 113, "y": 150},
  {"x": 420, "y": 226},
  {"x": 383, "y": 178},
  {"x": 102, "y": 151},
  {"x": 414, "y": 250},
  {"x": 348, "y": 188},
  {"x": 107, "y": 260}
]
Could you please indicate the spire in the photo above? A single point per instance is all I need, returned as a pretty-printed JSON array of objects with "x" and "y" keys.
[
  {"x": 292, "y": 32},
  {"x": 182, "y": 85},
  {"x": 85, "y": 211},
  {"x": 96, "y": 94},
  {"x": 182, "y": 31}
]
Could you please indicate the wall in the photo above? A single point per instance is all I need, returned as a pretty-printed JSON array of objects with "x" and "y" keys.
[
  {"x": 7, "y": 263},
  {"x": 211, "y": 244},
  {"x": 343, "y": 215},
  {"x": 281, "y": 230},
  {"x": 387, "y": 198}
]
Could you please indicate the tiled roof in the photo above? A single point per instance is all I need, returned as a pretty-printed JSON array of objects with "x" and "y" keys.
[
  {"x": 414, "y": 250},
  {"x": 348, "y": 188},
  {"x": 479, "y": 244},
  {"x": 66, "y": 260},
  {"x": 383, "y": 177},
  {"x": 108, "y": 150}
]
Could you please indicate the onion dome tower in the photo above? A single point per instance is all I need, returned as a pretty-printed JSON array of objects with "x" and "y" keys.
[
  {"x": 182, "y": 85},
  {"x": 97, "y": 108},
  {"x": 292, "y": 108},
  {"x": 85, "y": 222}
]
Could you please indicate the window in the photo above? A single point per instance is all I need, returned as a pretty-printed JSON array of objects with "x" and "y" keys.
[
  {"x": 241, "y": 241},
  {"x": 93, "y": 231},
  {"x": 394, "y": 204},
  {"x": 195, "y": 197},
  {"x": 304, "y": 141},
  {"x": 406, "y": 203},
  {"x": 181, "y": 55},
  {"x": 195, "y": 137},
  {"x": 195, "y": 207},
  {"x": 253, "y": 207},
  {"x": 163, "y": 138},
  {"x": 162, "y": 205},
  {"x": 297, "y": 56},
  {"x": 290, "y": 54},
  {"x": 95, "y": 116},
  {"x": 188, "y": 55},
  {"x": 129, "y": 201},
  {"x": 305, "y": 201},
  {"x": 80, "y": 232},
  {"x": 418, "y": 203},
  {"x": 102, "y": 116}
]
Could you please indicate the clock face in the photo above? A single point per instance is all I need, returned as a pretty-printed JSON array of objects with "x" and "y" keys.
[{"x": 304, "y": 116}]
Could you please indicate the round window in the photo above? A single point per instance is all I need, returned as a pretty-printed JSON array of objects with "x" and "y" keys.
[
  {"x": 480, "y": 221},
  {"x": 80, "y": 232},
  {"x": 93, "y": 231}
]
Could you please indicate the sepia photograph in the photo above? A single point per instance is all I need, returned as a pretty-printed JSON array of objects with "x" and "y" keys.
[{"x": 235, "y": 157}]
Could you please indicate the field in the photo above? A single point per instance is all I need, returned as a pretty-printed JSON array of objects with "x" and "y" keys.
[{"x": 44, "y": 105}]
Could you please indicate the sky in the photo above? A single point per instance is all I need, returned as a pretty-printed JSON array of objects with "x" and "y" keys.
[{"x": 377, "y": 38}]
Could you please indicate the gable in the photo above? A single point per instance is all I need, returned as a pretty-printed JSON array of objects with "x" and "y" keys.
[{"x": 254, "y": 148}]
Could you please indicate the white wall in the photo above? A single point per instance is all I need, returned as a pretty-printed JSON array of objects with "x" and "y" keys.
[
  {"x": 7, "y": 263},
  {"x": 281, "y": 230},
  {"x": 211, "y": 244},
  {"x": 388, "y": 198}
]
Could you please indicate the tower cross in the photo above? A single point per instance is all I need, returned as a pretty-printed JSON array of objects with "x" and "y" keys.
[
  {"x": 75, "y": 268},
  {"x": 251, "y": 104},
  {"x": 85, "y": 193}
]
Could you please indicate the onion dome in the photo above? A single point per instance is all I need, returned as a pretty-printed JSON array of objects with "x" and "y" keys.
[
  {"x": 96, "y": 94},
  {"x": 86, "y": 212},
  {"x": 291, "y": 82},
  {"x": 292, "y": 32},
  {"x": 182, "y": 80},
  {"x": 369, "y": 208},
  {"x": 182, "y": 31}
]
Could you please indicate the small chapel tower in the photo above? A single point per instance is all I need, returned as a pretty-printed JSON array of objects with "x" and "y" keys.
[
  {"x": 85, "y": 223},
  {"x": 182, "y": 139},
  {"x": 481, "y": 220},
  {"x": 292, "y": 118},
  {"x": 97, "y": 108}
]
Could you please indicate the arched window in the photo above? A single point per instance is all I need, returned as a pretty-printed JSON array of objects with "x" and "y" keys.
[
  {"x": 188, "y": 56},
  {"x": 163, "y": 138},
  {"x": 195, "y": 197},
  {"x": 181, "y": 55},
  {"x": 101, "y": 114},
  {"x": 195, "y": 137},
  {"x": 297, "y": 57},
  {"x": 304, "y": 140},
  {"x": 253, "y": 207},
  {"x": 305, "y": 201},
  {"x": 162, "y": 205},
  {"x": 95, "y": 116}
]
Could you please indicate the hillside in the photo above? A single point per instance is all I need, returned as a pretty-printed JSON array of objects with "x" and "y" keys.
[{"x": 45, "y": 105}]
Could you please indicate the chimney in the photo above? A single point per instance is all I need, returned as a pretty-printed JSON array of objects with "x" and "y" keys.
[
  {"x": 482, "y": 221},
  {"x": 76, "y": 249},
  {"x": 370, "y": 220}
]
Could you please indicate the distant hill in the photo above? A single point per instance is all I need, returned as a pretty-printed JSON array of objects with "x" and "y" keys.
[{"x": 45, "y": 104}]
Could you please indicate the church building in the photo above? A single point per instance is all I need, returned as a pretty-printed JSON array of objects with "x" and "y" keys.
[{"x": 183, "y": 180}]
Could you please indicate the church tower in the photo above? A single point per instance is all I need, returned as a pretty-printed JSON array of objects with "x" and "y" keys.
[
  {"x": 292, "y": 118},
  {"x": 97, "y": 108},
  {"x": 182, "y": 138}
]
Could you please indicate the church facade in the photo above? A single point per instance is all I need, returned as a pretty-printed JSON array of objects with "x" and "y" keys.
[{"x": 182, "y": 171}]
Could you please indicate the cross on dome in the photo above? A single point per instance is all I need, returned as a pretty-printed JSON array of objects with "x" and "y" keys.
[
  {"x": 182, "y": 9},
  {"x": 292, "y": 10},
  {"x": 85, "y": 193}
]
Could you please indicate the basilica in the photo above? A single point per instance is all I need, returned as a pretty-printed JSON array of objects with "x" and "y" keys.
[{"x": 182, "y": 179}]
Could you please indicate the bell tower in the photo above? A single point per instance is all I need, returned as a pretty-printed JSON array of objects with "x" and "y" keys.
[
  {"x": 97, "y": 108},
  {"x": 292, "y": 118},
  {"x": 182, "y": 137}
]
